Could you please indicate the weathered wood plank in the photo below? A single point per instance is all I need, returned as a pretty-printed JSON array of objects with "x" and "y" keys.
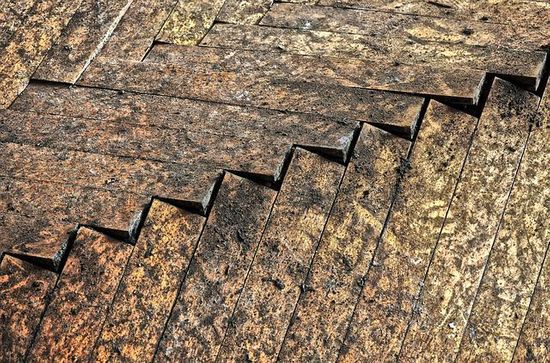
[
  {"x": 521, "y": 66},
  {"x": 243, "y": 11},
  {"x": 534, "y": 342},
  {"x": 190, "y": 21},
  {"x": 354, "y": 226},
  {"x": 218, "y": 270},
  {"x": 462, "y": 85},
  {"x": 149, "y": 285},
  {"x": 518, "y": 252},
  {"x": 232, "y": 122},
  {"x": 129, "y": 174},
  {"x": 399, "y": 112},
  {"x": 26, "y": 49},
  {"x": 172, "y": 154},
  {"x": 37, "y": 216},
  {"x": 81, "y": 298},
  {"x": 264, "y": 309},
  {"x": 472, "y": 222},
  {"x": 12, "y": 15},
  {"x": 81, "y": 40},
  {"x": 533, "y": 13},
  {"x": 400, "y": 262},
  {"x": 237, "y": 146},
  {"x": 137, "y": 29},
  {"x": 24, "y": 293},
  {"x": 377, "y": 23}
]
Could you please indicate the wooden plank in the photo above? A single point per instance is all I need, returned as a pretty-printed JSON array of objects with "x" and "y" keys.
[
  {"x": 81, "y": 298},
  {"x": 149, "y": 285},
  {"x": 534, "y": 344},
  {"x": 37, "y": 216},
  {"x": 189, "y": 21},
  {"x": 129, "y": 174},
  {"x": 544, "y": 109},
  {"x": 397, "y": 112},
  {"x": 81, "y": 40},
  {"x": 243, "y": 11},
  {"x": 346, "y": 248},
  {"x": 218, "y": 270},
  {"x": 190, "y": 149},
  {"x": 534, "y": 13},
  {"x": 461, "y": 86},
  {"x": 133, "y": 148},
  {"x": 521, "y": 66},
  {"x": 378, "y": 23},
  {"x": 26, "y": 49},
  {"x": 518, "y": 252},
  {"x": 12, "y": 15},
  {"x": 417, "y": 216},
  {"x": 469, "y": 230},
  {"x": 137, "y": 29},
  {"x": 24, "y": 293},
  {"x": 264, "y": 309},
  {"x": 191, "y": 116}
]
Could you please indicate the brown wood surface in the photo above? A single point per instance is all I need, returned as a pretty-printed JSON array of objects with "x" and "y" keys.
[{"x": 256, "y": 180}]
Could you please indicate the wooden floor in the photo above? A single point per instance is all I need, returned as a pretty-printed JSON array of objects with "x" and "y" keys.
[{"x": 249, "y": 180}]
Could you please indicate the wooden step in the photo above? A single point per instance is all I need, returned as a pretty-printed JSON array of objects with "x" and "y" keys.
[
  {"x": 137, "y": 29},
  {"x": 533, "y": 341},
  {"x": 402, "y": 26},
  {"x": 81, "y": 39},
  {"x": 515, "y": 12},
  {"x": 38, "y": 217},
  {"x": 28, "y": 46},
  {"x": 514, "y": 263}
]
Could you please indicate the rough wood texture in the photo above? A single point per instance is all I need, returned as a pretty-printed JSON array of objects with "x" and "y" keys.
[
  {"x": 177, "y": 150},
  {"x": 243, "y": 11},
  {"x": 81, "y": 298},
  {"x": 266, "y": 304},
  {"x": 334, "y": 282},
  {"x": 38, "y": 219},
  {"x": 26, "y": 48},
  {"x": 515, "y": 12},
  {"x": 398, "y": 112},
  {"x": 137, "y": 29},
  {"x": 400, "y": 262},
  {"x": 24, "y": 294},
  {"x": 469, "y": 230},
  {"x": 390, "y": 24},
  {"x": 183, "y": 118},
  {"x": 12, "y": 15},
  {"x": 517, "y": 254},
  {"x": 524, "y": 67},
  {"x": 164, "y": 131},
  {"x": 462, "y": 85},
  {"x": 217, "y": 271},
  {"x": 534, "y": 344},
  {"x": 81, "y": 39},
  {"x": 149, "y": 285},
  {"x": 190, "y": 21}
]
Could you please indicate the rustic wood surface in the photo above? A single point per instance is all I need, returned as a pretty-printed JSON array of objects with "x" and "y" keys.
[{"x": 256, "y": 180}]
